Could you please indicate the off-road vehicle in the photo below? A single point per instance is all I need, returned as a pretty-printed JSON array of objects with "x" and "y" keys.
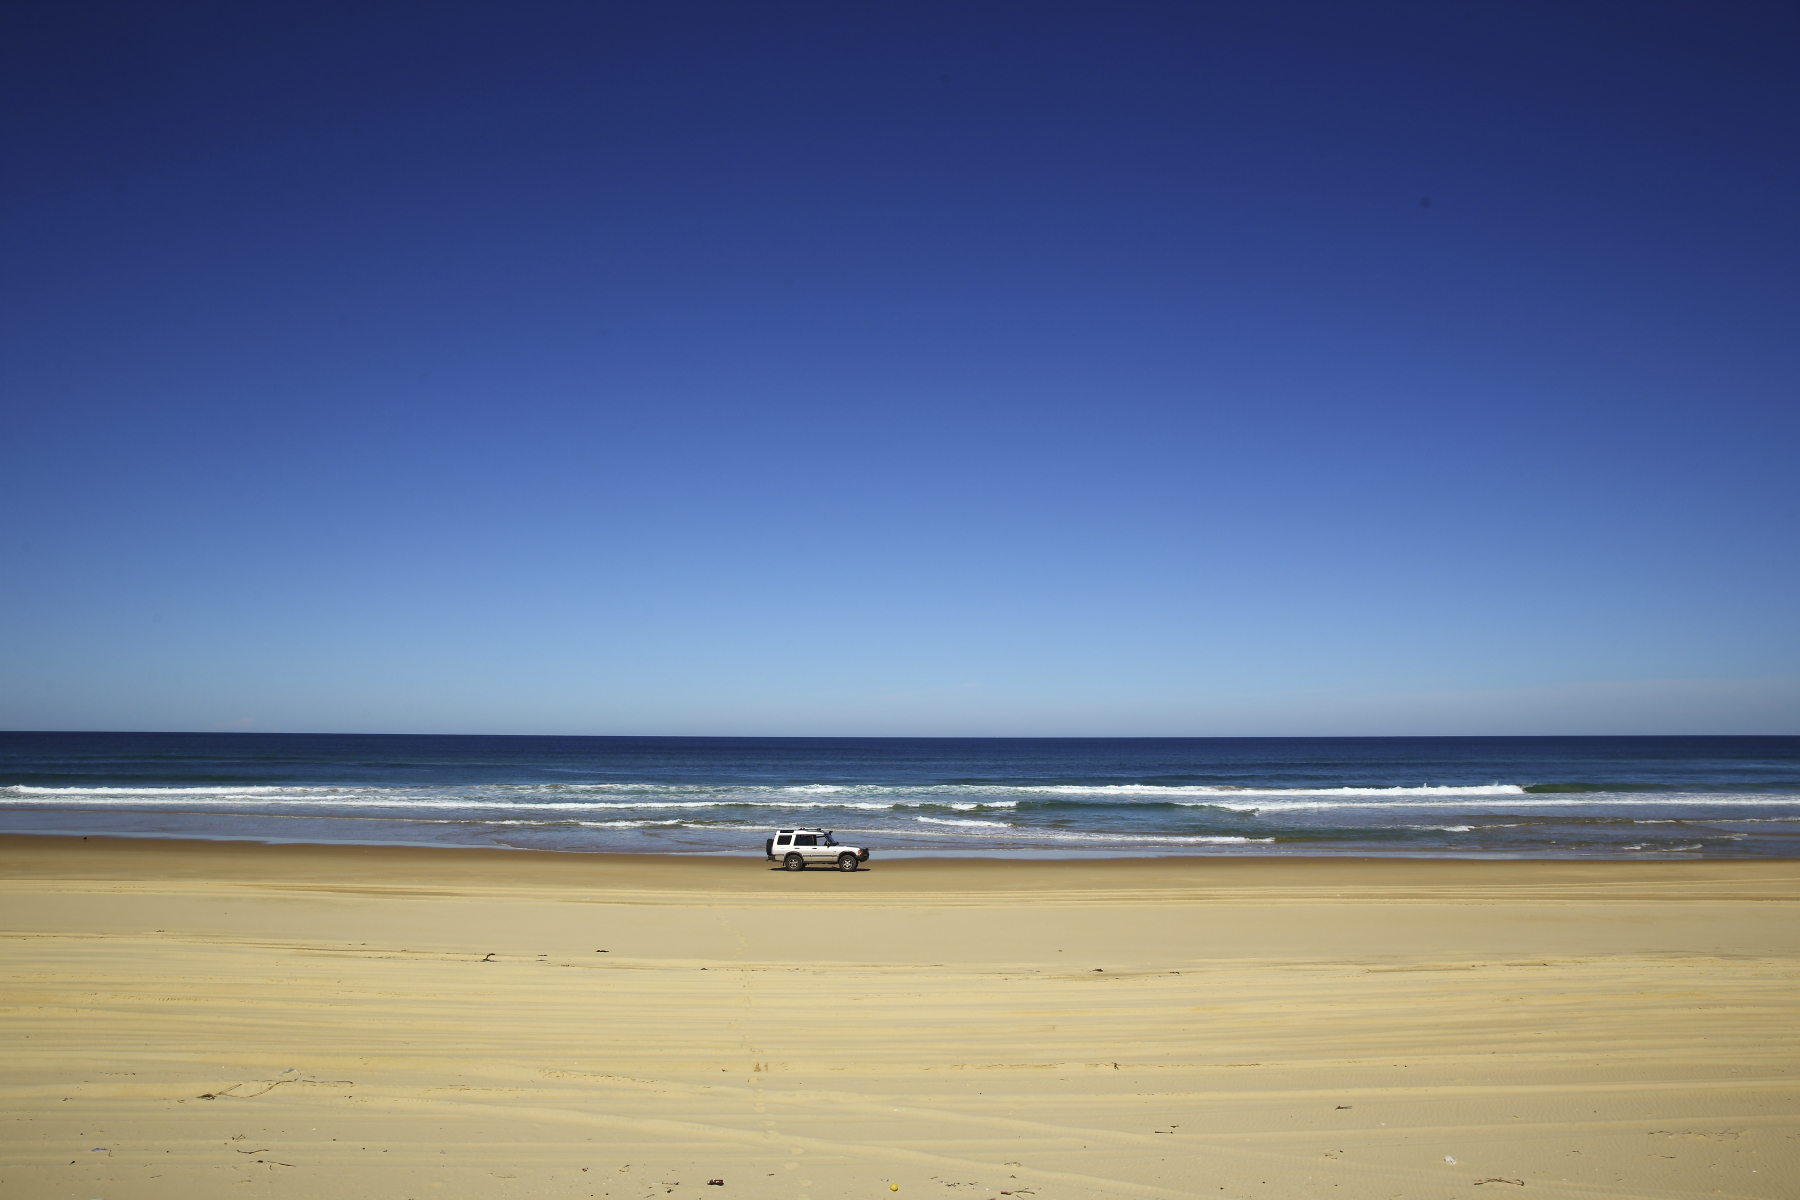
[{"x": 797, "y": 849}]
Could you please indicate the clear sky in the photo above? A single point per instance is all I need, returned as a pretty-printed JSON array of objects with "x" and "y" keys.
[{"x": 902, "y": 369}]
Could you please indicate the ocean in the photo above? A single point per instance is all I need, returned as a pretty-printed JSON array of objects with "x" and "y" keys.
[{"x": 1500, "y": 797}]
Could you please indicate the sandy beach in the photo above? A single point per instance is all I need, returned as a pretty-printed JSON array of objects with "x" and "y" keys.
[{"x": 186, "y": 1018}]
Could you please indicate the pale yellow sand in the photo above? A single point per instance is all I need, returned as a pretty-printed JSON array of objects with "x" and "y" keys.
[{"x": 423, "y": 1024}]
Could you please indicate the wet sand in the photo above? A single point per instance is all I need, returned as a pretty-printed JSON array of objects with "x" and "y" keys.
[{"x": 191, "y": 1019}]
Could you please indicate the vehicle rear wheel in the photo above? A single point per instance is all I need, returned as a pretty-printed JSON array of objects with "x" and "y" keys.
[
  {"x": 846, "y": 862},
  {"x": 794, "y": 862}
]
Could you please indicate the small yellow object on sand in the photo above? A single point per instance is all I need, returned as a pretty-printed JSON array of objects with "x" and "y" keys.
[{"x": 893, "y": 1187}]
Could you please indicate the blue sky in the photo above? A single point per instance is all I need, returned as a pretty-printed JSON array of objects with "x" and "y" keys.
[{"x": 905, "y": 369}]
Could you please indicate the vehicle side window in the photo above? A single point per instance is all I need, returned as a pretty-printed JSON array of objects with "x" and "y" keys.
[
  {"x": 805, "y": 839},
  {"x": 786, "y": 839}
]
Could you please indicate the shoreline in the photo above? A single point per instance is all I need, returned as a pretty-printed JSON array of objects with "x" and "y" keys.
[
  {"x": 579, "y": 866},
  {"x": 465, "y": 873},
  {"x": 1024, "y": 854}
]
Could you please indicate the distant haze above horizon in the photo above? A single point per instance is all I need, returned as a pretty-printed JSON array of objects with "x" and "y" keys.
[{"x": 913, "y": 370}]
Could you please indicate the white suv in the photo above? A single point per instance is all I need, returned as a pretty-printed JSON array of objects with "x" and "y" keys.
[{"x": 795, "y": 849}]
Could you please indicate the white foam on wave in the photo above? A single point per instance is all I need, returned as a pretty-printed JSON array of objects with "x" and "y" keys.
[
  {"x": 1569, "y": 800},
  {"x": 583, "y": 824},
  {"x": 976, "y": 824},
  {"x": 1025, "y": 836},
  {"x": 27, "y": 790},
  {"x": 1166, "y": 791},
  {"x": 424, "y": 798},
  {"x": 1147, "y": 839},
  {"x": 956, "y": 794},
  {"x": 342, "y": 798}
]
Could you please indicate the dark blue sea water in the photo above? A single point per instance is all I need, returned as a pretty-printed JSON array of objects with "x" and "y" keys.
[{"x": 1617, "y": 797}]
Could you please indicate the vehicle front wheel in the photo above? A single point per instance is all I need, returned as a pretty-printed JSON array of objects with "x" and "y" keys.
[
  {"x": 794, "y": 862},
  {"x": 846, "y": 862}
]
